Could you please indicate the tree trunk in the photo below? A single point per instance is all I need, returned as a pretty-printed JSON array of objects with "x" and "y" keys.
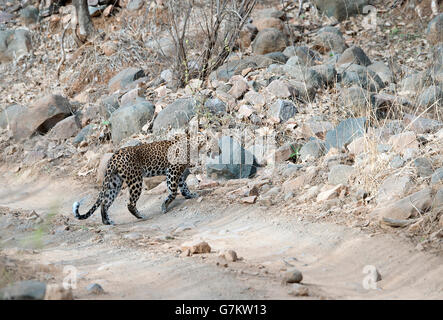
[{"x": 82, "y": 20}]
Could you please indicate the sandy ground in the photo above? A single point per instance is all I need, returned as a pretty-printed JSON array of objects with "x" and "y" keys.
[{"x": 140, "y": 259}]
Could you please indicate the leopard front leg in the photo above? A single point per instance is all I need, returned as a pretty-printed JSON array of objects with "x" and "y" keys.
[
  {"x": 184, "y": 187},
  {"x": 172, "y": 179}
]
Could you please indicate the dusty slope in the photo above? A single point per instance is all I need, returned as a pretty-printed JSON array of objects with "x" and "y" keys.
[{"x": 331, "y": 257}]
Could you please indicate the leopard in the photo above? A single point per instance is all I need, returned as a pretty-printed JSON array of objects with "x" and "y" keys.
[{"x": 133, "y": 163}]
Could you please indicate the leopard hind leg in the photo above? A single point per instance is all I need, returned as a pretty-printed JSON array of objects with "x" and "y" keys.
[{"x": 113, "y": 185}]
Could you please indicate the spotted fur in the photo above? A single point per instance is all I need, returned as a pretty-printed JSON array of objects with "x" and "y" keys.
[{"x": 129, "y": 165}]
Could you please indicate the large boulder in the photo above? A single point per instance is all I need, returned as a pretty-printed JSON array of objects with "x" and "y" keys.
[
  {"x": 340, "y": 9},
  {"x": 129, "y": 120},
  {"x": 124, "y": 78},
  {"x": 40, "y": 117},
  {"x": 234, "y": 162},
  {"x": 14, "y": 44},
  {"x": 269, "y": 40},
  {"x": 175, "y": 115}
]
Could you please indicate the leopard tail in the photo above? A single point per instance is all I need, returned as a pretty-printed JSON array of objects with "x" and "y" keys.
[{"x": 76, "y": 206}]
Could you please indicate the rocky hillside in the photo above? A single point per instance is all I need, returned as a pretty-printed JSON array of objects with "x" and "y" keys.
[{"x": 352, "y": 101}]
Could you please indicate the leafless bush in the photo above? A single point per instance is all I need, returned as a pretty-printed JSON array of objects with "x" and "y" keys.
[{"x": 206, "y": 31}]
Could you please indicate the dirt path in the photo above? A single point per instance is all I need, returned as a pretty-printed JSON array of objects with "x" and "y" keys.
[{"x": 140, "y": 260}]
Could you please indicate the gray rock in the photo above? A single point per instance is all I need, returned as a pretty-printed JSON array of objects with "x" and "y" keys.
[
  {"x": 315, "y": 148},
  {"x": 329, "y": 41},
  {"x": 437, "y": 176},
  {"x": 14, "y": 44},
  {"x": 95, "y": 288},
  {"x": 432, "y": 95},
  {"x": 434, "y": 32},
  {"x": 108, "y": 105},
  {"x": 129, "y": 120},
  {"x": 393, "y": 188},
  {"x": 383, "y": 71},
  {"x": 300, "y": 73},
  {"x": 231, "y": 68},
  {"x": 327, "y": 73},
  {"x": 355, "y": 98},
  {"x": 215, "y": 106},
  {"x": 339, "y": 174},
  {"x": 83, "y": 134},
  {"x": 163, "y": 46},
  {"x": 415, "y": 82},
  {"x": 305, "y": 55},
  {"x": 340, "y": 9},
  {"x": 24, "y": 290},
  {"x": 421, "y": 125},
  {"x": 11, "y": 115},
  {"x": 175, "y": 115},
  {"x": 124, "y": 78},
  {"x": 331, "y": 29},
  {"x": 438, "y": 203},
  {"x": 277, "y": 57},
  {"x": 269, "y": 40},
  {"x": 29, "y": 15},
  {"x": 283, "y": 110},
  {"x": 134, "y": 5},
  {"x": 397, "y": 162},
  {"x": 359, "y": 75},
  {"x": 345, "y": 132},
  {"x": 423, "y": 166},
  {"x": 65, "y": 129},
  {"x": 354, "y": 55},
  {"x": 234, "y": 162}
]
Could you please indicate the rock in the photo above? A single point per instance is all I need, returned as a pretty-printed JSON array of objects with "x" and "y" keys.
[
  {"x": 124, "y": 78},
  {"x": 393, "y": 188},
  {"x": 313, "y": 128},
  {"x": 312, "y": 149},
  {"x": 175, "y": 115},
  {"x": 14, "y": 44},
  {"x": 327, "y": 73},
  {"x": 340, "y": 174},
  {"x": 129, "y": 120},
  {"x": 277, "y": 57},
  {"x": 32, "y": 157},
  {"x": 302, "y": 54},
  {"x": 329, "y": 41},
  {"x": 197, "y": 248},
  {"x": 279, "y": 89},
  {"x": 268, "y": 22},
  {"x": 434, "y": 30},
  {"x": 423, "y": 167},
  {"x": 292, "y": 276},
  {"x": 414, "y": 83},
  {"x": 269, "y": 40},
  {"x": 271, "y": 13},
  {"x": 83, "y": 134},
  {"x": 346, "y": 131},
  {"x": 130, "y": 98},
  {"x": 355, "y": 74},
  {"x": 255, "y": 99},
  {"x": 134, "y": 5},
  {"x": 24, "y": 290},
  {"x": 410, "y": 154},
  {"x": 354, "y": 55},
  {"x": 383, "y": 71},
  {"x": 340, "y": 9},
  {"x": 95, "y": 288},
  {"x": 41, "y": 116},
  {"x": 431, "y": 96},
  {"x": 109, "y": 48},
  {"x": 58, "y": 292},
  {"x": 357, "y": 99},
  {"x": 437, "y": 176},
  {"x": 282, "y": 110},
  {"x": 233, "y": 163},
  {"x": 215, "y": 106},
  {"x": 249, "y": 199},
  {"x": 421, "y": 125},
  {"x": 285, "y": 152},
  {"x": 29, "y": 15},
  {"x": 229, "y": 255},
  {"x": 65, "y": 129},
  {"x": 231, "y": 68},
  {"x": 108, "y": 105},
  {"x": 411, "y": 206},
  {"x": 102, "y": 167},
  {"x": 397, "y": 162},
  {"x": 402, "y": 141},
  {"x": 437, "y": 205},
  {"x": 164, "y": 47},
  {"x": 239, "y": 87},
  {"x": 292, "y": 185},
  {"x": 298, "y": 290},
  {"x": 11, "y": 115}
]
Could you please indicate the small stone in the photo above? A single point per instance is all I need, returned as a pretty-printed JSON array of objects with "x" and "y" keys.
[
  {"x": 95, "y": 288},
  {"x": 249, "y": 200},
  {"x": 437, "y": 176},
  {"x": 298, "y": 290},
  {"x": 198, "y": 248},
  {"x": 229, "y": 255},
  {"x": 402, "y": 141},
  {"x": 397, "y": 162},
  {"x": 340, "y": 174},
  {"x": 293, "y": 276},
  {"x": 423, "y": 166}
]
